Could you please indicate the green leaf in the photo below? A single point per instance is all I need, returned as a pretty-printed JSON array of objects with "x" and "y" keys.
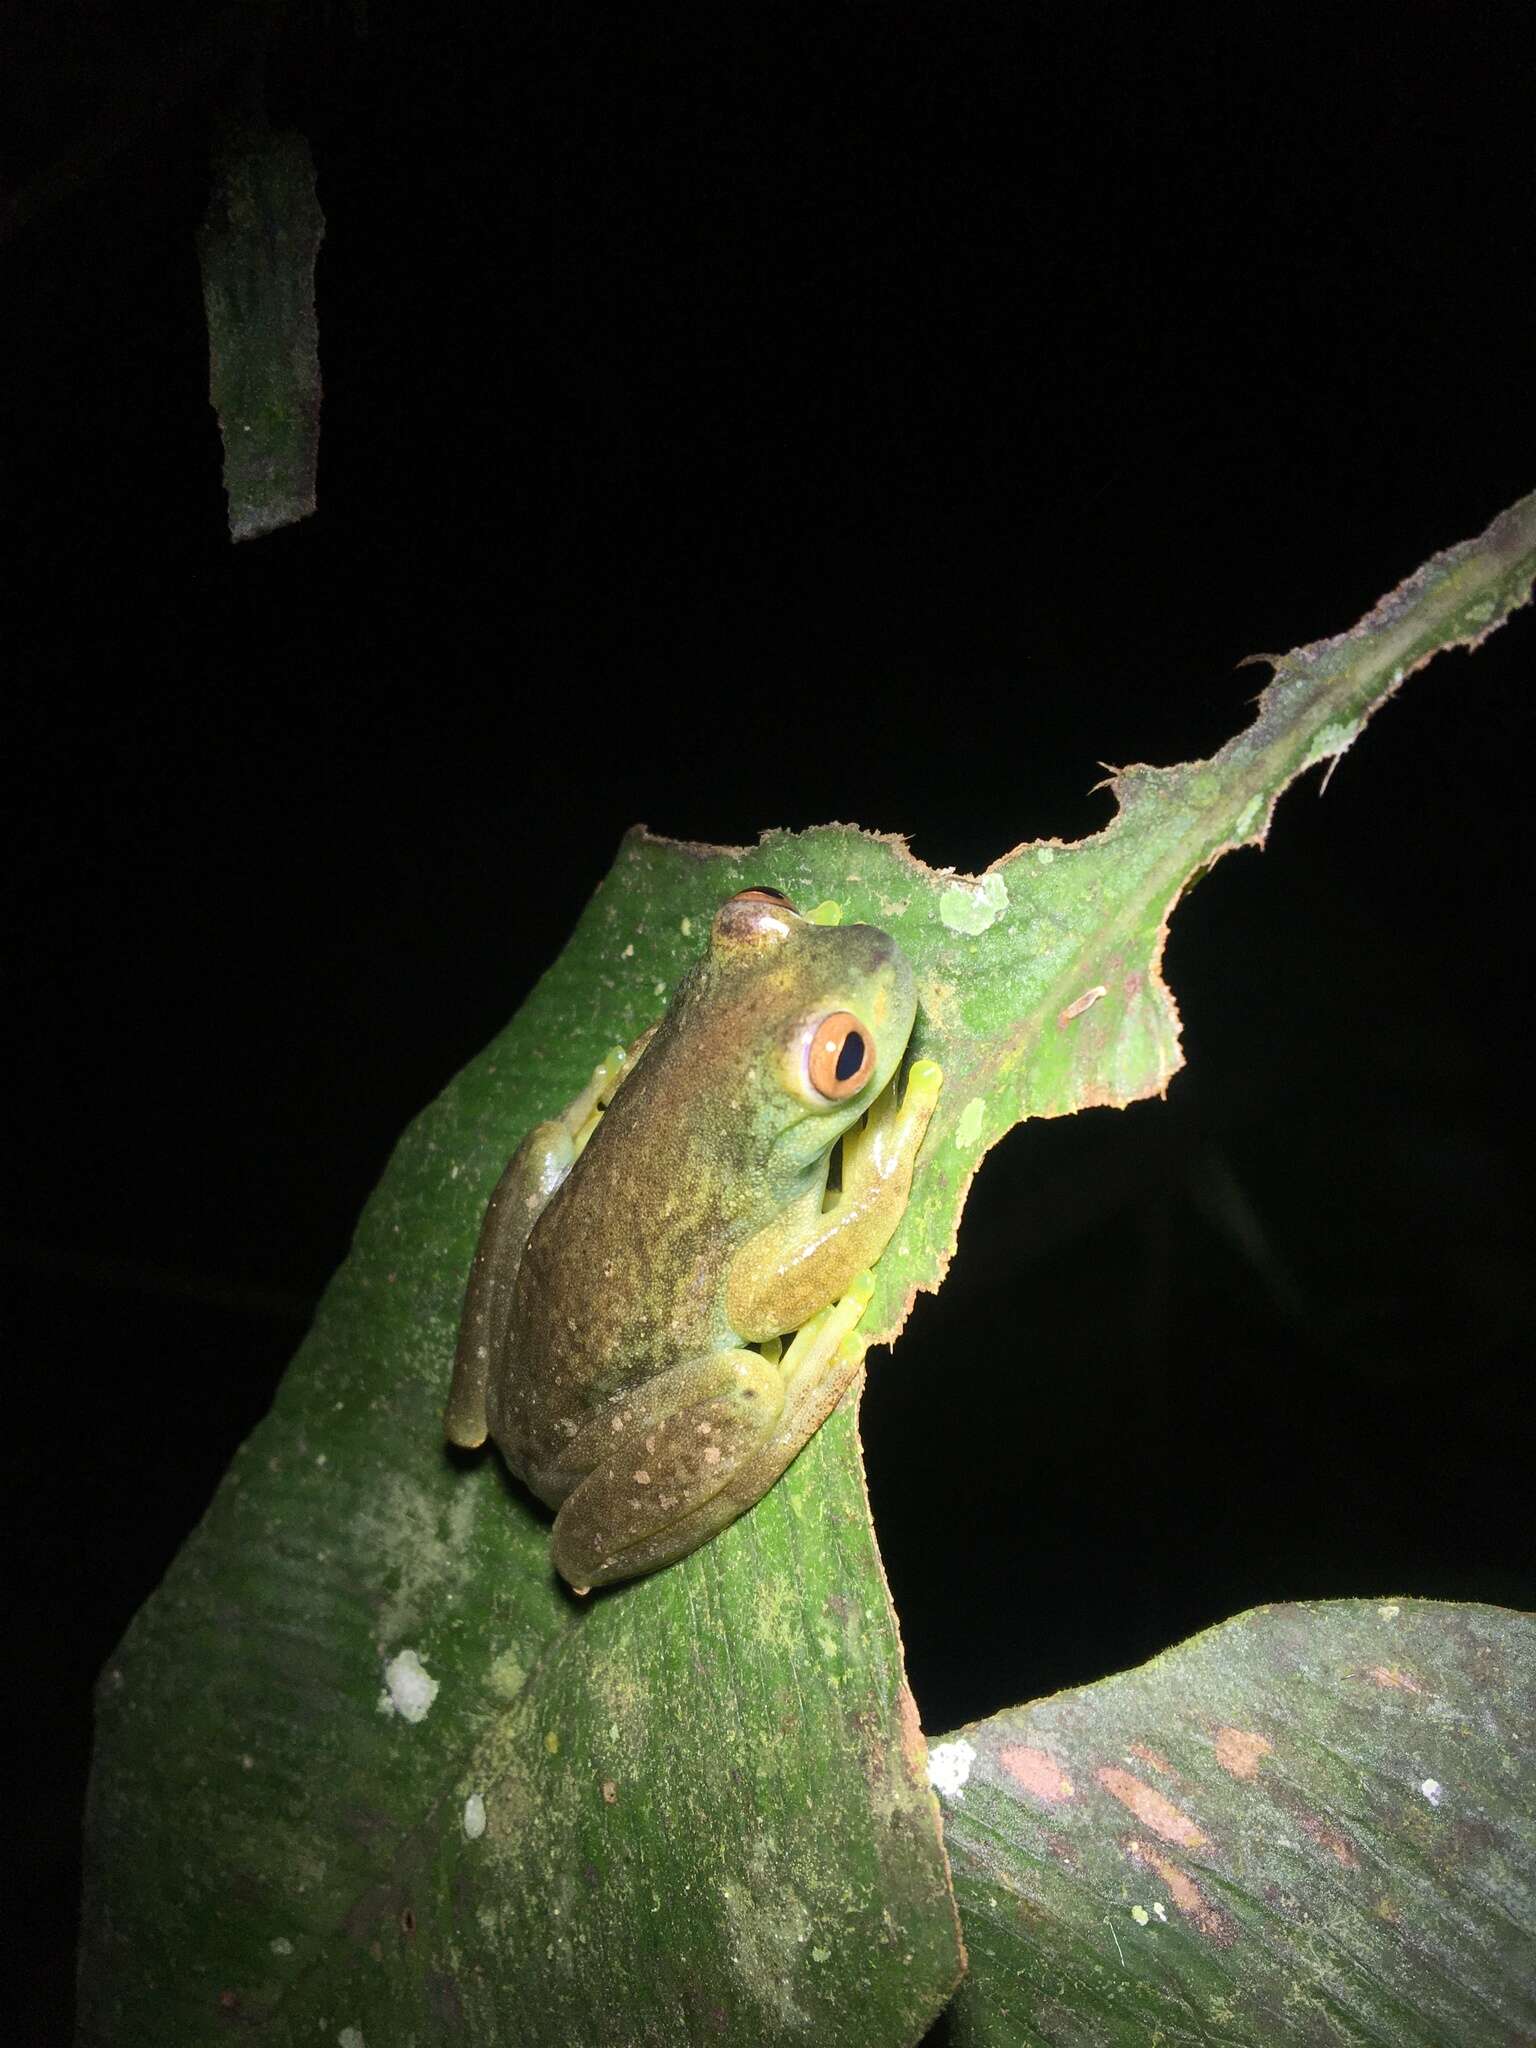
[
  {"x": 693, "y": 1808},
  {"x": 1312, "y": 1824}
]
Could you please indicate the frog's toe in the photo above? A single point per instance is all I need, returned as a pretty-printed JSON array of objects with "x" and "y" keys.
[{"x": 924, "y": 1080}]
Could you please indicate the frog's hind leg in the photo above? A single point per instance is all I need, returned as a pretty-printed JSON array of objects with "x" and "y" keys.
[
  {"x": 817, "y": 1369},
  {"x": 678, "y": 1478},
  {"x": 532, "y": 1174},
  {"x": 666, "y": 1486}
]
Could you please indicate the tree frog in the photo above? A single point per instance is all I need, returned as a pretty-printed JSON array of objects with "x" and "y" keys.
[{"x": 676, "y": 1216}]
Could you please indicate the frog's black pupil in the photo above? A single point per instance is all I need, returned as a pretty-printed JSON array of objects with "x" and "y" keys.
[{"x": 851, "y": 1058}]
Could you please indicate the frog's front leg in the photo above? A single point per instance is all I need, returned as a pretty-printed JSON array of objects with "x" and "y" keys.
[{"x": 784, "y": 1275}]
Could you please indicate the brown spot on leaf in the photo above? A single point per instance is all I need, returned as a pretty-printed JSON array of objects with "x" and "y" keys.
[
  {"x": 1150, "y": 1756},
  {"x": 1392, "y": 1680},
  {"x": 1330, "y": 1839},
  {"x": 1083, "y": 1002},
  {"x": 1240, "y": 1751},
  {"x": 1038, "y": 1773},
  {"x": 1150, "y": 1807},
  {"x": 610, "y": 1792},
  {"x": 1211, "y": 1921}
]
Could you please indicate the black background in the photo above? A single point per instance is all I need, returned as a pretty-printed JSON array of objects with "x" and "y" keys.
[{"x": 751, "y": 420}]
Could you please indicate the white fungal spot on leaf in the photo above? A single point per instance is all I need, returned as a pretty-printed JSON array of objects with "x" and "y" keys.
[
  {"x": 409, "y": 1690},
  {"x": 949, "y": 1765}
]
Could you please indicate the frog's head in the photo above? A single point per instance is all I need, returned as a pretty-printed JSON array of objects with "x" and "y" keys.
[{"x": 819, "y": 1017}]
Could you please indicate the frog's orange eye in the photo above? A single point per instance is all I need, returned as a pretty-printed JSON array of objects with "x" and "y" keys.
[
  {"x": 763, "y": 896},
  {"x": 840, "y": 1056}
]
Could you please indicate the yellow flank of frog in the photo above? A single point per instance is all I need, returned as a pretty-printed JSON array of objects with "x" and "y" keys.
[{"x": 675, "y": 1216}]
